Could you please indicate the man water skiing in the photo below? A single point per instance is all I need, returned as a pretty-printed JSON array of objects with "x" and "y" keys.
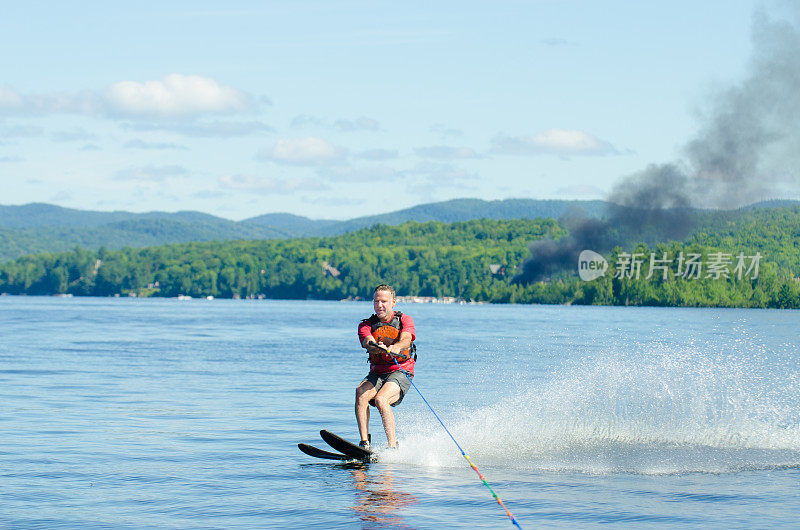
[{"x": 387, "y": 335}]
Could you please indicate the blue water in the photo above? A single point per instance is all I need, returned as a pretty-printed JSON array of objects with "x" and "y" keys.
[{"x": 126, "y": 413}]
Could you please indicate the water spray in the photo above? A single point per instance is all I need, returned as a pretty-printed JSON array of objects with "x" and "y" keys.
[{"x": 463, "y": 453}]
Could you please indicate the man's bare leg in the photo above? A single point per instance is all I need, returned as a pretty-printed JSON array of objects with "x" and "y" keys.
[
  {"x": 364, "y": 393},
  {"x": 389, "y": 393}
]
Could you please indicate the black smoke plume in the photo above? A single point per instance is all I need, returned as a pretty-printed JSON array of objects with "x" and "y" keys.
[{"x": 747, "y": 148}]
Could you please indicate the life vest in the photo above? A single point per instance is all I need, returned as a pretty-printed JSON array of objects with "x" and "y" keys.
[{"x": 388, "y": 333}]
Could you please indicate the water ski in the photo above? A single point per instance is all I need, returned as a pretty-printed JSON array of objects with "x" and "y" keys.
[
  {"x": 349, "y": 449},
  {"x": 310, "y": 450}
]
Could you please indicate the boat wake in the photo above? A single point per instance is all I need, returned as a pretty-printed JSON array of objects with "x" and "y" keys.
[{"x": 650, "y": 412}]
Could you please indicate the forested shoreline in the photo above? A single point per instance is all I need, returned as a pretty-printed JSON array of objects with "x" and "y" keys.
[{"x": 473, "y": 260}]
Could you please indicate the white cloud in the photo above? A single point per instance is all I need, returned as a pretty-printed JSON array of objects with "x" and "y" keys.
[
  {"x": 439, "y": 173},
  {"x": 357, "y": 174},
  {"x": 342, "y": 125},
  {"x": 82, "y": 102},
  {"x": 61, "y": 196},
  {"x": 210, "y": 194},
  {"x": 360, "y": 124},
  {"x": 141, "y": 144},
  {"x": 203, "y": 129},
  {"x": 446, "y": 152},
  {"x": 443, "y": 130},
  {"x": 582, "y": 191},
  {"x": 265, "y": 185},
  {"x": 433, "y": 180},
  {"x": 9, "y": 98},
  {"x": 306, "y": 120},
  {"x": 563, "y": 142},
  {"x": 21, "y": 131},
  {"x": 150, "y": 173},
  {"x": 307, "y": 151},
  {"x": 378, "y": 154},
  {"x": 76, "y": 134},
  {"x": 175, "y": 95},
  {"x": 425, "y": 172}
]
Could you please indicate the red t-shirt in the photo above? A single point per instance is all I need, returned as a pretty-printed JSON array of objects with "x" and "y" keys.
[{"x": 407, "y": 323}]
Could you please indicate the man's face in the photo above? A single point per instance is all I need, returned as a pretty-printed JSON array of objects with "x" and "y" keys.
[{"x": 383, "y": 303}]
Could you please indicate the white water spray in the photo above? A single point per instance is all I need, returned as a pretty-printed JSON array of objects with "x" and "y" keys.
[{"x": 647, "y": 411}]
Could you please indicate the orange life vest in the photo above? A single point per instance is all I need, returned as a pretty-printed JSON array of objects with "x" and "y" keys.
[{"x": 388, "y": 333}]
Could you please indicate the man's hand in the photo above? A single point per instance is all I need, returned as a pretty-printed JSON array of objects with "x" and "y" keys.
[
  {"x": 393, "y": 350},
  {"x": 373, "y": 346}
]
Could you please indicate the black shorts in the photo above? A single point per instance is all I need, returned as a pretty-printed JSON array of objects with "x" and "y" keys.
[{"x": 398, "y": 376}]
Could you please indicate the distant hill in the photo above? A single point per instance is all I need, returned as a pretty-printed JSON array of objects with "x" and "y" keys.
[
  {"x": 34, "y": 228},
  {"x": 772, "y": 203},
  {"x": 447, "y": 212},
  {"x": 296, "y": 225},
  {"x": 40, "y": 214},
  {"x": 38, "y": 227}
]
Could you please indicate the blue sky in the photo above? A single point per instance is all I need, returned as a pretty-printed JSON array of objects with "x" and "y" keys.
[{"x": 342, "y": 109}]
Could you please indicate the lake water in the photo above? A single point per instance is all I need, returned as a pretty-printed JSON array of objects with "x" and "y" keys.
[{"x": 143, "y": 413}]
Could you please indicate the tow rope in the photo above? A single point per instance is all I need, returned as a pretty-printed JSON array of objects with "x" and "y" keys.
[{"x": 463, "y": 453}]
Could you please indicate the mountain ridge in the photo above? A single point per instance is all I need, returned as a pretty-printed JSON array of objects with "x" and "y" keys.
[{"x": 43, "y": 227}]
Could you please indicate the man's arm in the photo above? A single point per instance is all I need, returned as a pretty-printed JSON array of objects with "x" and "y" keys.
[
  {"x": 365, "y": 334},
  {"x": 403, "y": 342}
]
